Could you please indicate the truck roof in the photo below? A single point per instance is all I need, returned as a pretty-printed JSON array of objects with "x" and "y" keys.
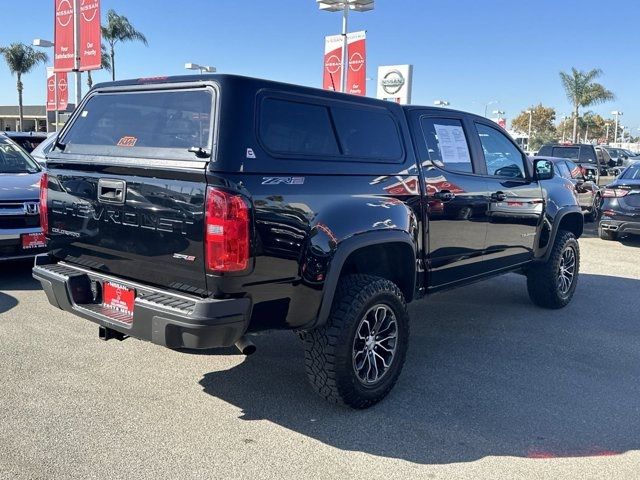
[{"x": 253, "y": 83}]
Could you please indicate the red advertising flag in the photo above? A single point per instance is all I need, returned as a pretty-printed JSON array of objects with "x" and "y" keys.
[
  {"x": 357, "y": 73},
  {"x": 332, "y": 62},
  {"x": 51, "y": 90},
  {"x": 90, "y": 35},
  {"x": 63, "y": 90},
  {"x": 63, "y": 36},
  {"x": 58, "y": 80}
]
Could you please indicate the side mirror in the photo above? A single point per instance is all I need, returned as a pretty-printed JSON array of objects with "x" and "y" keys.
[{"x": 543, "y": 169}]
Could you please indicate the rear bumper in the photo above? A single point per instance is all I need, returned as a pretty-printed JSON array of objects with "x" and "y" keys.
[
  {"x": 161, "y": 317},
  {"x": 621, "y": 225}
]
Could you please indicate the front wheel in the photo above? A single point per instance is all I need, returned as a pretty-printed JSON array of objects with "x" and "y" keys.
[
  {"x": 356, "y": 358},
  {"x": 552, "y": 284}
]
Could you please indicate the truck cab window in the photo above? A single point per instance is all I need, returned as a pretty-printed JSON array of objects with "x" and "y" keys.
[
  {"x": 447, "y": 144},
  {"x": 502, "y": 157}
]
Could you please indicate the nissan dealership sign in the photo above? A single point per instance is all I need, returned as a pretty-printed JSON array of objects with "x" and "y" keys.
[{"x": 394, "y": 83}]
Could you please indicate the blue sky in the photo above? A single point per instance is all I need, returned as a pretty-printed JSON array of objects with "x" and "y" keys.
[{"x": 468, "y": 52}]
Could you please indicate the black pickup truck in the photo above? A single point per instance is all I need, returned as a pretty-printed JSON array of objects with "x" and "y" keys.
[{"x": 192, "y": 211}]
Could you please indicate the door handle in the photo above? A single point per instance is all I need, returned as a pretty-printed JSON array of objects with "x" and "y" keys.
[
  {"x": 444, "y": 195},
  {"x": 111, "y": 191},
  {"x": 498, "y": 197}
]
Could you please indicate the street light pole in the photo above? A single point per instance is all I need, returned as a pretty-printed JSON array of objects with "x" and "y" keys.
[
  {"x": 616, "y": 113},
  {"x": 76, "y": 51},
  {"x": 344, "y": 6},
  {"x": 486, "y": 105},
  {"x": 39, "y": 42},
  {"x": 606, "y": 139},
  {"x": 202, "y": 68},
  {"x": 530, "y": 112},
  {"x": 345, "y": 60}
]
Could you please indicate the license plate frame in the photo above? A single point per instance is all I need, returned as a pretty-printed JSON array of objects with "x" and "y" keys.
[
  {"x": 32, "y": 241},
  {"x": 118, "y": 297}
]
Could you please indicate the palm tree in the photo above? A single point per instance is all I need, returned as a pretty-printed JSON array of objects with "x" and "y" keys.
[
  {"x": 119, "y": 29},
  {"x": 105, "y": 62},
  {"x": 582, "y": 91},
  {"x": 21, "y": 59}
]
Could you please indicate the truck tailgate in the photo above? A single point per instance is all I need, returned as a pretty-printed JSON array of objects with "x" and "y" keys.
[{"x": 154, "y": 235}]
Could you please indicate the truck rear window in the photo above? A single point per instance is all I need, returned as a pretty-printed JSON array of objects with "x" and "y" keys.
[
  {"x": 566, "y": 152},
  {"x": 151, "y": 124}
]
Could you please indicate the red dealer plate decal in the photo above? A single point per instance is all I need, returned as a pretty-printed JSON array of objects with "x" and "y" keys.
[
  {"x": 33, "y": 240},
  {"x": 118, "y": 297}
]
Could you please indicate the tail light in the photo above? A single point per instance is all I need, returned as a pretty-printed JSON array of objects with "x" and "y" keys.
[
  {"x": 227, "y": 231},
  {"x": 44, "y": 220},
  {"x": 614, "y": 192}
]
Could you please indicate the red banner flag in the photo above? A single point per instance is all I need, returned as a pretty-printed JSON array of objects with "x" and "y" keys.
[
  {"x": 357, "y": 72},
  {"x": 90, "y": 35},
  {"x": 332, "y": 62},
  {"x": 63, "y": 36},
  {"x": 59, "y": 80},
  {"x": 51, "y": 90},
  {"x": 63, "y": 90}
]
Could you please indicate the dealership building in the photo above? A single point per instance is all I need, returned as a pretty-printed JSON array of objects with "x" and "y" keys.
[{"x": 36, "y": 118}]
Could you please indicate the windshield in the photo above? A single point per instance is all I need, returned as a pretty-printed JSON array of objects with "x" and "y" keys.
[
  {"x": 631, "y": 173},
  {"x": 15, "y": 160}
]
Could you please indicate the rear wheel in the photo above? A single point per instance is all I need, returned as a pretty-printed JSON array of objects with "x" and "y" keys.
[
  {"x": 356, "y": 358},
  {"x": 552, "y": 284}
]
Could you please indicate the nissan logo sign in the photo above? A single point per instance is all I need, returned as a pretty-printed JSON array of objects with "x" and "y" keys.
[{"x": 392, "y": 82}]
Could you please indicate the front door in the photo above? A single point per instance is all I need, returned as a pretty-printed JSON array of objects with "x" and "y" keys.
[
  {"x": 514, "y": 200},
  {"x": 455, "y": 197}
]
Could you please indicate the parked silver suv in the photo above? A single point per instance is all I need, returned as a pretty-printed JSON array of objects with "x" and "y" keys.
[{"x": 20, "y": 233}]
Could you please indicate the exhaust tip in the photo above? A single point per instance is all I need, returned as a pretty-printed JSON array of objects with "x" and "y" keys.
[{"x": 245, "y": 346}]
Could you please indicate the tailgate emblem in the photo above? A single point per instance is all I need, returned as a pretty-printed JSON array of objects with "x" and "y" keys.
[
  {"x": 180, "y": 256},
  {"x": 284, "y": 180}
]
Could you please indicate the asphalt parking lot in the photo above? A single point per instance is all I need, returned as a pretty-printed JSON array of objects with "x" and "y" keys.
[{"x": 493, "y": 388}]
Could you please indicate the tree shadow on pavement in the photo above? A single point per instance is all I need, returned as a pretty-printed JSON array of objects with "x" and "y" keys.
[
  {"x": 16, "y": 275},
  {"x": 489, "y": 375}
]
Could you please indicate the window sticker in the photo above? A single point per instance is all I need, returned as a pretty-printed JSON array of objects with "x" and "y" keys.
[
  {"x": 84, "y": 113},
  {"x": 127, "y": 141},
  {"x": 453, "y": 144}
]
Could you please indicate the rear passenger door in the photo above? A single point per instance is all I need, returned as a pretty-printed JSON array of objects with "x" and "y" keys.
[
  {"x": 455, "y": 197},
  {"x": 514, "y": 201}
]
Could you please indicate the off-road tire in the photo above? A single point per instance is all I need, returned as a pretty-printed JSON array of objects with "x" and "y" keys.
[
  {"x": 328, "y": 349},
  {"x": 542, "y": 278},
  {"x": 607, "y": 234}
]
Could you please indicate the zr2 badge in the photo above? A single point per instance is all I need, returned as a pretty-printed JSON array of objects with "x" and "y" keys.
[{"x": 282, "y": 180}]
